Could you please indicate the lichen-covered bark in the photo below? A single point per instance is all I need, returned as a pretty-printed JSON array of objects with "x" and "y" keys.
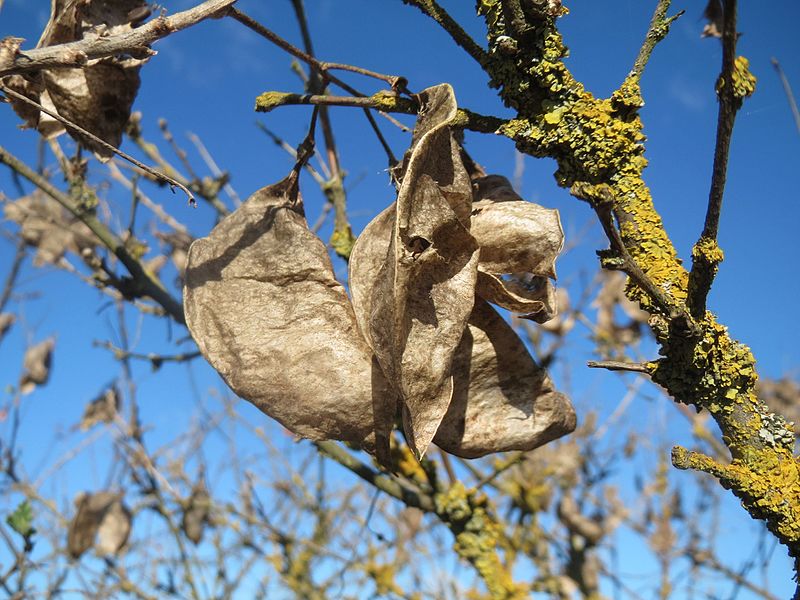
[{"x": 597, "y": 143}]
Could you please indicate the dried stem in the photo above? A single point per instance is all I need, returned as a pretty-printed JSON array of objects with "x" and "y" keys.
[
  {"x": 387, "y": 102},
  {"x": 615, "y": 365},
  {"x": 386, "y": 483},
  {"x": 155, "y": 359},
  {"x": 788, "y": 90}
]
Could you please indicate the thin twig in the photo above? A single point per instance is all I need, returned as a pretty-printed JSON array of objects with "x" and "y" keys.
[
  {"x": 67, "y": 123},
  {"x": 788, "y": 90},
  {"x": 705, "y": 260},
  {"x": 213, "y": 167},
  {"x": 615, "y": 365},
  {"x": 386, "y": 483},
  {"x": 151, "y": 357},
  {"x": 11, "y": 278},
  {"x": 658, "y": 29},
  {"x": 460, "y": 37}
]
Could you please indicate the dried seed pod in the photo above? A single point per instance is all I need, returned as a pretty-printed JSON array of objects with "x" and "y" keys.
[
  {"x": 48, "y": 227},
  {"x": 96, "y": 96},
  {"x": 36, "y": 365},
  {"x": 265, "y": 309},
  {"x": 102, "y": 409},
  {"x": 102, "y": 517},
  {"x": 502, "y": 399},
  {"x": 6, "y": 321},
  {"x": 424, "y": 292},
  {"x": 519, "y": 244},
  {"x": 196, "y": 513}
]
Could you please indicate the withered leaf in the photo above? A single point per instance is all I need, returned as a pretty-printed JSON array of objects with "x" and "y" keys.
[
  {"x": 425, "y": 289},
  {"x": 265, "y": 309},
  {"x": 502, "y": 399},
  {"x": 102, "y": 409},
  {"x": 713, "y": 14},
  {"x": 114, "y": 530},
  {"x": 48, "y": 227},
  {"x": 97, "y": 96},
  {"x": 519, "y": 244},
  {"x": 196, "y": 513},
  {"x": 36, "y": 365},
  {"x": 100, "y": 516},
  {"x": 6, "y": 321}
]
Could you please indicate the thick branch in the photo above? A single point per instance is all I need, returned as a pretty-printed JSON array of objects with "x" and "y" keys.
[
  {"x": 76, "y": 54},
  {"x": 385, "y": 483}
]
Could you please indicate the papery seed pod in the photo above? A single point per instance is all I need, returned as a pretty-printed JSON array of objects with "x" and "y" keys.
[
  {"x": 36, "y": 365},
  {"x": 99, "y": 512}
]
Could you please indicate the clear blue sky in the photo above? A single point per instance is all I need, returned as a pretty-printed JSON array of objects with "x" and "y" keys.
[{"x": 205, "y": 80}]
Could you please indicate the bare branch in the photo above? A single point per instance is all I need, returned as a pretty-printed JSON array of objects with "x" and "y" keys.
[{"x": 76, "y": 54}]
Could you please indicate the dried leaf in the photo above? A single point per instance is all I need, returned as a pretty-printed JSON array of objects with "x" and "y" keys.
[
  {"x": 196, "y": 513},
  {"x": 266, "y": 311},
  {"x": 102, "y": 409},
  {"x": 6, "y": 321},
  {"x": 48, "y": 227},
  {"x": 114, "y": 529},
  {"x": 97, "y": 96},
  {"x": 100, "y": 516},
  {"x": 425, "y": 289},
  {"x": 502, "y": 400},
  {"x": 713, "y": 14},
  {"x": 519, "y": 244},
  {"x": 36, "y": 365}
]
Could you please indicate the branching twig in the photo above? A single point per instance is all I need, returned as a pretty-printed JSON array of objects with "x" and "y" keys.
[
  {"x": 67, "y": 123},
  {"x": 142, "y": 282}
]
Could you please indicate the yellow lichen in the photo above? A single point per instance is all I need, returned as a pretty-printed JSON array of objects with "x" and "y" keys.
[
  {"x": 478, "y": 538},
  {"x": 269, "y": 100}
]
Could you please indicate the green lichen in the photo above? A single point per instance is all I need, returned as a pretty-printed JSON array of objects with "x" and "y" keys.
[{"x": 478, "y": 538}]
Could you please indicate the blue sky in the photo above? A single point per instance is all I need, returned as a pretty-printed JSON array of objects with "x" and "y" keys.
[{"x": 204, "y": 80}]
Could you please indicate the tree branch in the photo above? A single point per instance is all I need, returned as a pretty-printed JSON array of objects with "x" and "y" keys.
[
  {"x": 143, "y": 283},
  {"x": 76, "y": 54},
  {"x": 383, "y": 101},
  {"x": 460, "y": 37},
  {"x": 706, "y": 254}
]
